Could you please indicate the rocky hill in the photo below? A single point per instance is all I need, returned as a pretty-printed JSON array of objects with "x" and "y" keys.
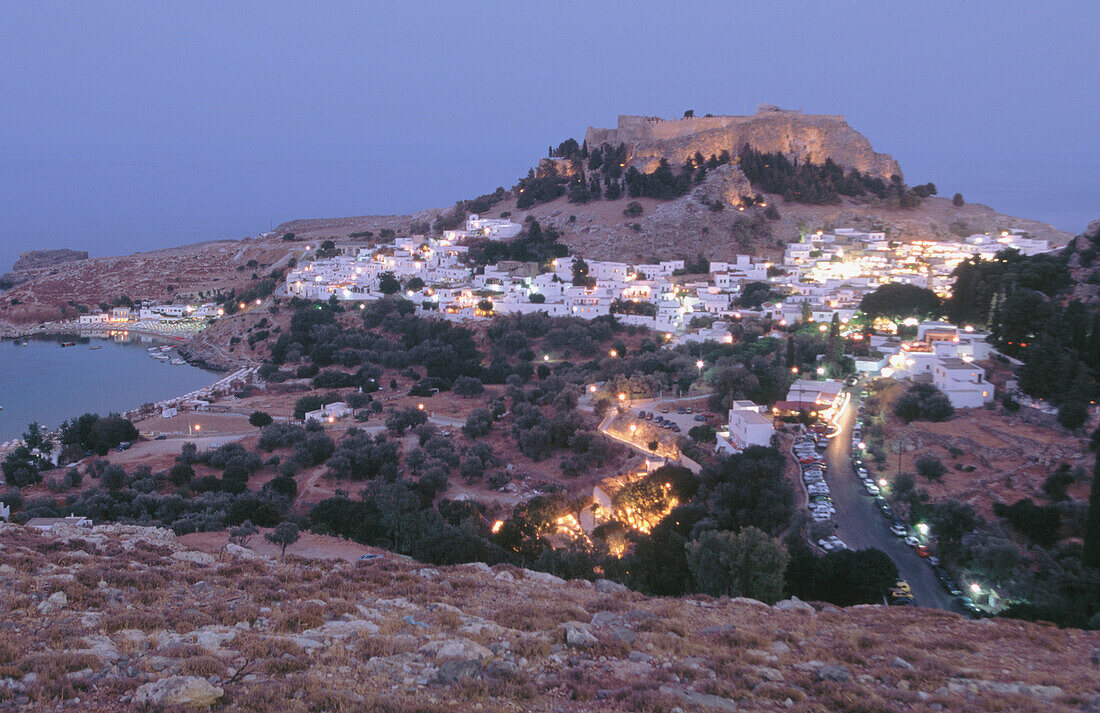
[
  {"x": 1082, "y": 263},
  {"x": 56, "y": 291},
  {"x": 37, "y": 259},
  {"x": 127, "y": 618},
  {"x": 32, "y": 262},
  {"x": 809, "y": 138}
]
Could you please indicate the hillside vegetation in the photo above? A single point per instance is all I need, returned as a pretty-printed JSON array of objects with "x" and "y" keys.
[{"x": 114, "y": 617}]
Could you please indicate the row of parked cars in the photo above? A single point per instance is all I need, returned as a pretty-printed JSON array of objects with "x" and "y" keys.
[
  {"x": 659, "y": 420},
  {"x": 812, "y": 464},
  {"x": 902, "y": 595}
]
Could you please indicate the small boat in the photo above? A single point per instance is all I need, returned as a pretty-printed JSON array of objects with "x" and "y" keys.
[
  {"x": 153, "y": 349},
  {"x": 177, "y": 362},
  {"x": 96, "y": 346},
  {"x": 68, "y": 344},
  {"x": 161, "y": 357}
]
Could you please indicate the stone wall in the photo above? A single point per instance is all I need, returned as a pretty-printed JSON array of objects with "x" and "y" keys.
[{"x": 807, "y": 137}]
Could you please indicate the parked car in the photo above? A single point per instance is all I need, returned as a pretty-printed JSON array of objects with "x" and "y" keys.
[
  {"x": 912, "y": 541},
  {"x": 871, "y": 488},
  {"x": 680, "y": 410},
  {"x": 899, "y": 530},
  {"x": 923, "y": 551},
  {"x": 664, "y": 409}
]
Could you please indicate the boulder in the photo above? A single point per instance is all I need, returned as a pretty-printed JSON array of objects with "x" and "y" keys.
[
  {"x": 605, "y": 618},
  {"x": 578, "y": 635},
  {"x": 453, "y": 649},
  {"x": 542, "y": 578},
  {"x": 238, "y": 552},
  {"x": 53, "y": 603},
  {"x": 182, "y": 691},
  {"x": 899, "y": 662},
  {"x": 746, "y": 601},
  {"x": 606, "y": 586},
  {"x": 832, "y": 673},
  {"x": 455, "y": 669},
  {"x": 794, "y": 604},
  {"x": 194, "y": 556}
]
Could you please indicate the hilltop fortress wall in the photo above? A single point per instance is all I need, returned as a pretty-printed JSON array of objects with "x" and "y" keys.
[{"x": 807, "y": 137}]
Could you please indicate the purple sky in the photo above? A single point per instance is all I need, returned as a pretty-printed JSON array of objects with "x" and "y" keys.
[{"x": 130, "y": 126}]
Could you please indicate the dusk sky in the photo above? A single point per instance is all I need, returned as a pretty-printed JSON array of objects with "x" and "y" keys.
[{"x": 133, "y": 126}]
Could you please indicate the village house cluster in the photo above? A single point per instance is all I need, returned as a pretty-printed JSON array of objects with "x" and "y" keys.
[
  {"x": 826, "y": 263},
  {"x": 151, "y": 312},
  {"x": 650, "y": 295},
  {"x": 822, "y": 277}
]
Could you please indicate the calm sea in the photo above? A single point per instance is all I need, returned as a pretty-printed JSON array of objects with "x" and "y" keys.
[{"x": 45, "y": 382}]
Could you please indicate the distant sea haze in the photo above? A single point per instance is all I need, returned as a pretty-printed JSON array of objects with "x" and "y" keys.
[{"x": 45, "y": 382}]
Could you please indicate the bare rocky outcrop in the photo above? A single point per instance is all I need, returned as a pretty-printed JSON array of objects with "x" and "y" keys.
[
  {"x": 806, "y": 137},
  {"x": 188, "y": 692},
  {"x": 150, "y": 626},
  {"x": 38, "y": 259}
]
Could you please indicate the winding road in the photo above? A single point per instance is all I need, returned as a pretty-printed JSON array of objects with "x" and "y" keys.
[{"x": 863, "y": 526}]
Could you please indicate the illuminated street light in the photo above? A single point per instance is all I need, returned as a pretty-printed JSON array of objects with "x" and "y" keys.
[
  {"x": 823, "y": 328},
  {"x": 241, "y": 305},
  {"x": 591, "y": 388},
  {"x": 420, "y": 407},
  {"x": 975, "y": 588},
  {"x": 546, "y": 357},
  {"x": 882, "y": 482},
  {"x": 821, "y": 371},
  {"x": 613, "y": 353},
  {"x": 622, "y": 396},
  {"x": 699, "y": 365},
  {"x": 922, "y": 528},
  {"x": 794, "y": 369}
]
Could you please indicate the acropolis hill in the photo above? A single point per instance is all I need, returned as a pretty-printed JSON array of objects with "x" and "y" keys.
[{"x": 807, "y": 137}]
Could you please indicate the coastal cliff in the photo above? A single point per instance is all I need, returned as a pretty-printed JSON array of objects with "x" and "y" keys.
[{"x": 806, "y": 137}]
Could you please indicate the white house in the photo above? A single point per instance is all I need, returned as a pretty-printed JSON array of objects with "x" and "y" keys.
[
  {"x": 748, "y": 427},
  {"x": 45, "y": 524},
  {"x": 329, "y": 412},
  {"x": 494, "y": 229},
  {"x": 963, "y": 383}
]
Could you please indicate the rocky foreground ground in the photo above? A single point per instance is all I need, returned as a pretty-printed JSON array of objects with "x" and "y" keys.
[{"x": 127, "y": 618}]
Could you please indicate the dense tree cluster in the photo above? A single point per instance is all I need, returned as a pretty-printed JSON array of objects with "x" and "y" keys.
[
  {"x": 923, "y": 402},
  {"x": 821, "y": 183},
  {"x": 1024, "y": 303},
  {"x": 533, "y": 244},
  {"x": 95, "y": 433},
  {"x": 845, "y": 577},
  {"x": 899, "y": 300}
]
